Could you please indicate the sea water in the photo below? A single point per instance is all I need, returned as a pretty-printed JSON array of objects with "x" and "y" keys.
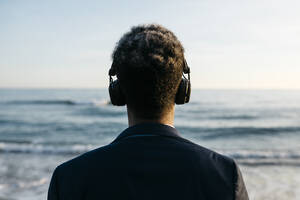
[{"x": 42, "y": 128}]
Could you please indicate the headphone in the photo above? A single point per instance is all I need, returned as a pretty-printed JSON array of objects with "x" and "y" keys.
[{"x": 183, "y": 94}]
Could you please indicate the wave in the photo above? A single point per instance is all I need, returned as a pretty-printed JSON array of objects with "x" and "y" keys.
[
  {"x": 227, "y": 132},
  {"x": 248, "y": 157},
  {"x": 26, "y": 146},
  {"x": 267, "y": 158},
  {"x": 22, "y": 148},
  {"x": 101, "y": 111},
  {"x": 291, "y": 163},
  {"x": 56, "y": 102},
  {"x": 263, "y": 154},
  {"x": 42, "y": 102},
  {"x": 11, "y": 122},
  {"x": 234, "y": 117},
  {"x": 15, "y": 141},
  {"x": 264, "y": 157}
]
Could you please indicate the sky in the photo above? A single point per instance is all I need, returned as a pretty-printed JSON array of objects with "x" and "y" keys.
[{"x": 232, "y": 44}]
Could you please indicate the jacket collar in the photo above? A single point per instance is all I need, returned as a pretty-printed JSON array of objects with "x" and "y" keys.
[{"x": 154, "y": 129}]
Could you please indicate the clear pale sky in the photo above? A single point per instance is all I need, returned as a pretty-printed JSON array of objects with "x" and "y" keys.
[{"x": 229, "y": 44}]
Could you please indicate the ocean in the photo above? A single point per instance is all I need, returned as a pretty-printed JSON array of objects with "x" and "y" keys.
[{"x": 42, "y": 128}]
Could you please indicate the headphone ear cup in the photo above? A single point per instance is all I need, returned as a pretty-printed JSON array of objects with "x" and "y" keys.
[
  {"x": 184, "y": 92},
  {"x": 188, "y": 91},
  {"x": 117, "y": 98}
]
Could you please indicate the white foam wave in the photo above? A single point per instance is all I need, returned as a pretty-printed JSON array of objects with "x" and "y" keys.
[
  {"x": 45, "y": 149},
  {"x": 58, "y": 102},
  {"x": 35, "y": 183}
]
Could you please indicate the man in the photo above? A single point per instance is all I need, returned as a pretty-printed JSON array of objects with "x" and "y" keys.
[{"x": 149, "y": 160}]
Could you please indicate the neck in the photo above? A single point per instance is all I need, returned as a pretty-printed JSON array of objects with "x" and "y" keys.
[{"x": 167, "y": 118}]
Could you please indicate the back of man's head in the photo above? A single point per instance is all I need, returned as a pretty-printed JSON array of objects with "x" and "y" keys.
[{"x": 148, "y": 61}]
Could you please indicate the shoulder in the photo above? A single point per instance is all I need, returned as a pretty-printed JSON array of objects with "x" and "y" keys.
[
  {"x": 206, "y": 153},
  {"x": 209, "y": 160},
  {"x": 84, "y": 162},
  {"x": 77, "y": 174},
  {"x": 207, "y": 164}
]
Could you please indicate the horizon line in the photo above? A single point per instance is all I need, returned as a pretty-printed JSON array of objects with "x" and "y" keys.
[{"x": 101, "y": 88}]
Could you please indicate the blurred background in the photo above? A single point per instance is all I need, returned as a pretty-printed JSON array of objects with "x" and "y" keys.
[{"x": 244, "y": 59}]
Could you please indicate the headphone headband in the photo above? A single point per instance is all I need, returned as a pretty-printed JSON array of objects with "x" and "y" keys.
[{"x": 186, "y": 69}]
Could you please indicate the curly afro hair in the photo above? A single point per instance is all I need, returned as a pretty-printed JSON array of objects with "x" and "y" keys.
[{"x": 149, "y": 61}]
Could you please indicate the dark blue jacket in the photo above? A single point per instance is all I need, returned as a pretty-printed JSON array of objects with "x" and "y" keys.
[{"x": 148, "y": 161}]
